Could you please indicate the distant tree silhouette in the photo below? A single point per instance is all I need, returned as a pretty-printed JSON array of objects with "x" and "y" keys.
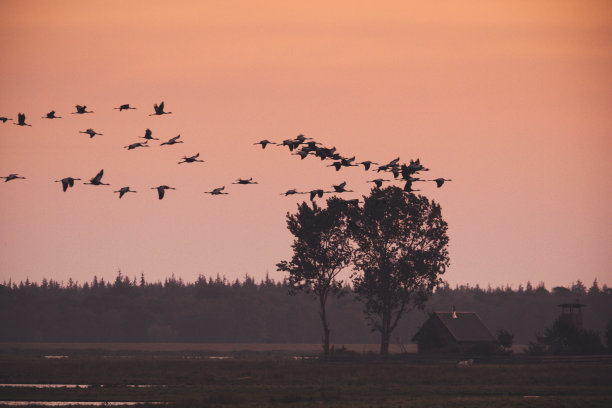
[
  {"x": 215, "y": 310},
  {"x": 321, "y": 250},
  {"x": 594, "y": 289},
  {"x": 401, "y": 251}
]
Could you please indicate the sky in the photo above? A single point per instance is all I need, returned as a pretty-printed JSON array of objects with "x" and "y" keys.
[{"x": 509, "y": 99}]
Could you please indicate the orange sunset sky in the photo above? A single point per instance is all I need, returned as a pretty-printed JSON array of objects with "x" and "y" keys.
[{"x": 512, "y": 100}]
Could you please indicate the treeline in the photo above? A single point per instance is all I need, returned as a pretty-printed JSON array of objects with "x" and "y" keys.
[{"x": 215, "y": 310}]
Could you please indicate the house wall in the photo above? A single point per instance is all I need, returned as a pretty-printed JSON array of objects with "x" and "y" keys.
[{"x": 435, "y": 337}]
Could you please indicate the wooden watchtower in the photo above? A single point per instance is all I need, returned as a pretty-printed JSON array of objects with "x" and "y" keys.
[{"x": 572, "y": 312}]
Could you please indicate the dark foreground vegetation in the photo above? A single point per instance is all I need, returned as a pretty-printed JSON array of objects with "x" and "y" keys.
[
  {"x": 284, "y": 382},
  {"x": 218, "y": 311}
]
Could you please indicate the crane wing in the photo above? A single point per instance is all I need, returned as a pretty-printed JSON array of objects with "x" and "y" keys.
[
  {"x": 160, "y": 192},
  {"x": 98, "y": 177}
]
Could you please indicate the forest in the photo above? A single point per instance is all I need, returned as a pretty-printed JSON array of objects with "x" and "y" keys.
[{"x": 216, "y": 310}]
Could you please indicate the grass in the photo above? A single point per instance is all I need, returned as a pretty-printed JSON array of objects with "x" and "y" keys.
[
  {"x": 210, "y": 348},
  {"x": 279, "y": 381}
]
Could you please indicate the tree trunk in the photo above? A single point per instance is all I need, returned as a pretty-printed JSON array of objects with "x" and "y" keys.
[
  {"x": 384, "y": 344},
  {"x": 325, "y": 326},
  {"x": 385, "y": 332}
]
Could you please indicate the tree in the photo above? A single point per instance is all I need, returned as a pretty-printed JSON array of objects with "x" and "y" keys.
[
  {"x": 401, "y": 251},
  {"x": 321, "y": 250},
  {"x": 578, "y": 288},
  {"x": 594, "y": 289},
  {"x": 505, "y": 339}
]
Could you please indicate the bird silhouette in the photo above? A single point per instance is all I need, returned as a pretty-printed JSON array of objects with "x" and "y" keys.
[
  {"x": 148, "y": 135},
  {"x": 290, "y": 143},
  {"x": 124, "y": 190},
  {"x": 302, "y": 153},
  {"x": 367, "y": 164},
  {"x": 344, "y": 162},
  {"x": 135, "y": 145},
  {"x": 80, "y": 109},
  {"x": 337, "y": 165},
  {"x": 440, "y": 181},
  {"x": 4, "y": 119},
  {"x": 159, "y": 110},
  {"x": 311, "y": 146},
  {"x": 216, "y": 191},
  {"x": 389, "y": 166},
  {"x": 378, "y": 182},
  {"x": 245, "y": 181},
  {"x": 416, "y": 166},
  {"x": 407, "y": 171},
  {"x": 191, "y": 159},
  {"x": 318, "y": 192},
  {"x": 299, "y": 139},
  {"x": 408, "y": 186},
  {"x": 12, "y": 176},
  {"x": 264, "y": 143},
  {"x": 125, "y": 106},
  {"x": 97, "y": 181},
  {"x": 67, "y": 182},
  {"x": 51, "y": 115},
  {"x": 21, "y": 120},
  {"x": 90, "y": 132},
  {"x": 325, "y": 152},
  {"x": 172, "y": 141},
  {"x": 340, "y": 188},
  {"x": 161, "y": 190},
  {"x": 290, "y": 192}
]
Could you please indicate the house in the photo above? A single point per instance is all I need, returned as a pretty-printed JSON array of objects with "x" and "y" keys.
[{"x": 455, "y": 332}]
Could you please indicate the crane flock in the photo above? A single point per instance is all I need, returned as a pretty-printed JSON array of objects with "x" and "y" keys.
[{"x": 301, "y": 146}]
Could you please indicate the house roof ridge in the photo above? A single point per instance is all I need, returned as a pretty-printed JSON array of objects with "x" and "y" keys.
[{"x": 464, "y": 326}]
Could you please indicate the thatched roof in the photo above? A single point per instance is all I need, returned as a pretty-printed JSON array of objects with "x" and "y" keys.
[{"x": 463, "y": 327}]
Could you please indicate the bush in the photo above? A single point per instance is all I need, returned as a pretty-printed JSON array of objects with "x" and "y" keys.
[
  {"x": 505, "y": 339},
  {"x": 565, "y": 338}
]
